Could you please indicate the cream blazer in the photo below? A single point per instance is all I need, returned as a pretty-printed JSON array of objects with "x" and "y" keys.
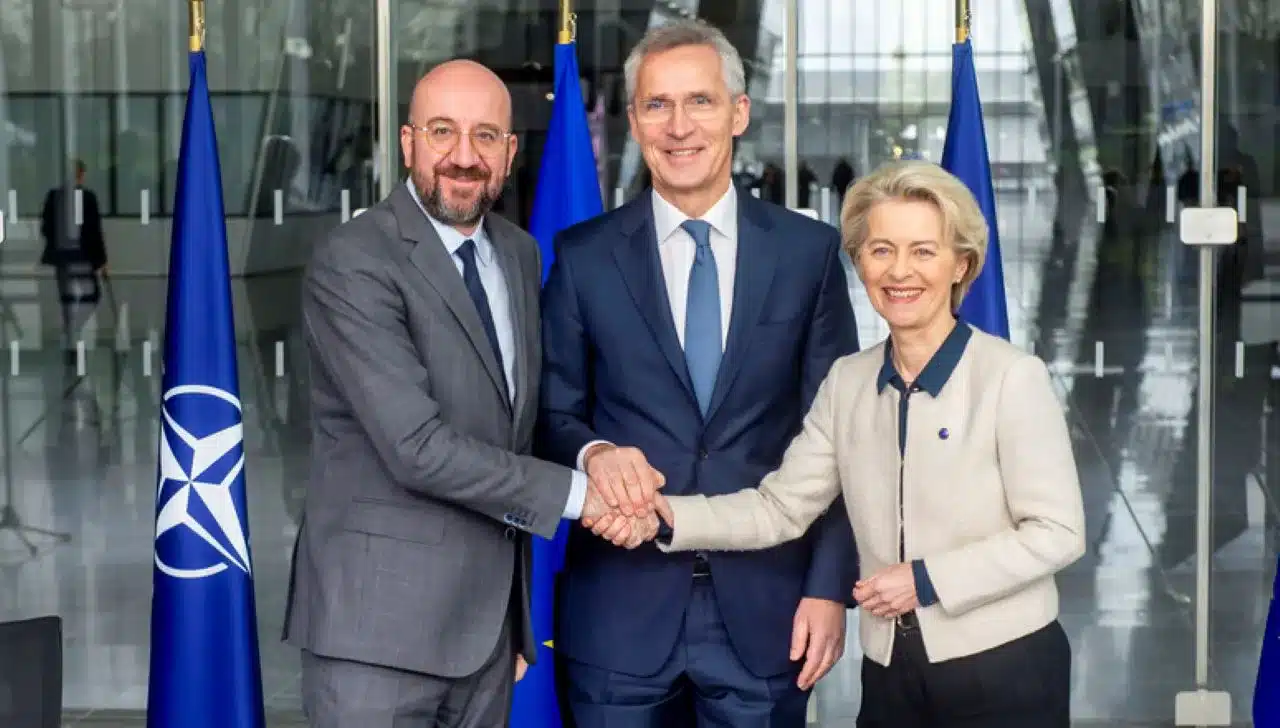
[{"x": 993, "y": 505}]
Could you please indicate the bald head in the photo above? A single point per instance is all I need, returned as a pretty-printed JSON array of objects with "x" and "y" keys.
[
  {"x": 462, "y": 81},
  {"x": 457, "y": 142}
]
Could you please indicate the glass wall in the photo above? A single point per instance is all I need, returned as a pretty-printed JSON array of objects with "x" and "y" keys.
[
  {"x": 1093, "y": 120},
  {"x": 101, "y": 85}
]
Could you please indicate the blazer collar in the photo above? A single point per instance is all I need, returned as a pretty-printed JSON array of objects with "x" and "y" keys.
[{"x": 939, "y": 369}]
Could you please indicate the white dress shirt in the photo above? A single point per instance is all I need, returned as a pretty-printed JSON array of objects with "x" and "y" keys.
[
  {"x": 494, "y": 282},
  {"x": 676, "y": 249},
  {"x": 491, "y": 278}
]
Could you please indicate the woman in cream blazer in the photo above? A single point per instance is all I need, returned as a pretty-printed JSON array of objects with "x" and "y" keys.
[{"x": 952, "y": 452}]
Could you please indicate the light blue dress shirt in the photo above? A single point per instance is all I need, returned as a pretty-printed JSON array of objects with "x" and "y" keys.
[{"x": 495, "y": 287}]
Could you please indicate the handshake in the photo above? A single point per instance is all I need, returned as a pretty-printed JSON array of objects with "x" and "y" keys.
[{"x": 623, "y": 505}]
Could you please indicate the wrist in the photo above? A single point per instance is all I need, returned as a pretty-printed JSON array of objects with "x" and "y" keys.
[{"x": 593, "y": 451}]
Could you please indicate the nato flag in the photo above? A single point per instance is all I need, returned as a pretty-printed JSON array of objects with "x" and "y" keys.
[
  {"x": 965, "y": 156},
  {"x": 204, "y": 643},
  {"x": 568, "y": 193},
  {"x": 1266, "y": 691}
]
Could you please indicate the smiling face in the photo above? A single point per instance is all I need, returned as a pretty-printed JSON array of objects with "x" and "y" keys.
[
  {"x": 458, "y": 146},
  {"x": 909, "y": 266},
  {"x": 684, "y": 118}
]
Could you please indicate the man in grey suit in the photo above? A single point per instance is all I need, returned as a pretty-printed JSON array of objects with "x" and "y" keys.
[{"x": 410, "y": 589}]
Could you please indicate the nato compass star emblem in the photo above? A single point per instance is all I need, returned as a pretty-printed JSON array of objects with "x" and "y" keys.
[{"x": 198, "y": 526}]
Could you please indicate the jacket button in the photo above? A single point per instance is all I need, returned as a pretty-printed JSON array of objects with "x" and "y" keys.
[
  {"x": 509, "y": 534},
  {"x": 702, "y": 454}
]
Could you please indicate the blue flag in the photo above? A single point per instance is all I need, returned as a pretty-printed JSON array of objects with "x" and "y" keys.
[
  {"x": 205, "y": 671},
  {"x": 965, "y": 156},
  {"x": 568, "y": 192},
  {"x": 1266, "y": 690},
  {"x": 568, "y": 188}
]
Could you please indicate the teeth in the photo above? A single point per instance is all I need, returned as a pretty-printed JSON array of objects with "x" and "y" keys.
[
  {"x": 684, "y": 153},
  {"x": 903, "y": 294}
]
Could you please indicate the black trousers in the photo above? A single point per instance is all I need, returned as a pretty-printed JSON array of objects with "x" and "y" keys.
[{"x": 1023, "y": 683}]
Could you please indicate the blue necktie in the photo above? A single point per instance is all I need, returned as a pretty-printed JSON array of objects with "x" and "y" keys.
[
  {"x": 471, "y": 278},
  {"x": 702, "y": 349}
]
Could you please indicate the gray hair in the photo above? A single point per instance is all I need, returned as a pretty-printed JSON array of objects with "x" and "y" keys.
[
  {"x": 679, "y": 34},
  {"x": 962, "y": 220}
]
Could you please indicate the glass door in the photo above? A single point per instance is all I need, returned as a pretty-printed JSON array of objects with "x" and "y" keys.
[{"x": 1238, "y": 504}]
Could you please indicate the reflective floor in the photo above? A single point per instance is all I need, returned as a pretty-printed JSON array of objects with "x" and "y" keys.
[{"x": 1110, "y": 305}]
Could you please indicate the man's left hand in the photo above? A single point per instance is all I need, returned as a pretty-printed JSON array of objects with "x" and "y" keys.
[
  {"x": 817, "y": 635},
  {"x": 521, "y": 667}
]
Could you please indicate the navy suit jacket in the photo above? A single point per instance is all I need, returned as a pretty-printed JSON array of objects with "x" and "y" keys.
[{"x": 614, "y": 370}]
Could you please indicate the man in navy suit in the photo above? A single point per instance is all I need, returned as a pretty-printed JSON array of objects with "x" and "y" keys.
[{"x": 685, "y": 335}]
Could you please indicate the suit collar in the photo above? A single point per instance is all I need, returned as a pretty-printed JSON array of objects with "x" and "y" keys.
[
  {"x": 641, "y": 269},
  {"x": 757, "y": 259},
  {"x": 723, "y": 216},
  {"x": 430, "y": 257},
  {"x": 450, "y": 236}
]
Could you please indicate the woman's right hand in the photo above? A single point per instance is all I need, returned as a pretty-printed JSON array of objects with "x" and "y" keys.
[{"x": 663, "y": 509}]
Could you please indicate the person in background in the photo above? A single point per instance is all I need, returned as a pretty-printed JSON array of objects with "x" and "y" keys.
[
  {"x": 76, "y": 249},
  {"x": 841, "y": 178},
  {"x": 952, "y": 453}
]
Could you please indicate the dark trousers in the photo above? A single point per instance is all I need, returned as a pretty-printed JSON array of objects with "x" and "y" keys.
[
  {"x": 703, "y": 683},
  {"x": 1026, "y": 682}
]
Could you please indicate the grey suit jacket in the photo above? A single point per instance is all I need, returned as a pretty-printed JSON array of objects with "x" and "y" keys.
[{"x": 421, "y": 495}]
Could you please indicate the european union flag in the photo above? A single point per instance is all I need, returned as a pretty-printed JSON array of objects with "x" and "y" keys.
[
  {"x": 965, "y": 156},
  {"x": 568, "y": 193},
  {"x": 204, "y": 640},
  {"x": 568, "y": 188},
  {"x": 1266, "y": 690}
]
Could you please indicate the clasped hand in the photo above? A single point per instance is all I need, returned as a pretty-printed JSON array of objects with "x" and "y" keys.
[{"x": 623, "y": 505}]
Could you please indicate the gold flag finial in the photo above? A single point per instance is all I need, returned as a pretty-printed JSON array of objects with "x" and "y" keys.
[
  {"x": 962, "y": 21},
  {"x": 196, "y": 38},
  {"x": 568, "y": 23}
]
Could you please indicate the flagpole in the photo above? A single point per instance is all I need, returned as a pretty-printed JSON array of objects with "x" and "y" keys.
[
  {"x": 196, "y": 38},
  {"x": 962, "y": 21},
  {"x": 568, "y": 21}
]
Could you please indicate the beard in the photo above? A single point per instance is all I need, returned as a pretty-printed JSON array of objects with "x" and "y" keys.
[{"x": 466, "y": 213}]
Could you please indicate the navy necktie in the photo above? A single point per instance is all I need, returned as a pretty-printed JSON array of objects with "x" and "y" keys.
[
  {"x": 702, "y": 332},
  {"x": 471, "y": 278}
]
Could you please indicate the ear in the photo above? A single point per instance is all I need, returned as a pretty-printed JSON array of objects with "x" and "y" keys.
[
  {"x": 741, "y": 115},
  {"x": 963, "y": 265},
  {"x": 513, "y": 145},
  {"x": 406, "y": 146},
  {"x": 635, "y": 125}
]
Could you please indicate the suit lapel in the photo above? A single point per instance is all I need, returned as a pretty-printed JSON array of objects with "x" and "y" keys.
[
  {"x": 434, "y": 263},
  {"x": 641, "y": 270},
  {"x": 757, "y": 260}
]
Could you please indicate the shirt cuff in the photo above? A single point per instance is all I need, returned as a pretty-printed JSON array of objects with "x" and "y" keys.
[
  {"x": 581, "y": 465},
  {"x": 577, "y": 496},
  {"x": 925, "y": 593}
]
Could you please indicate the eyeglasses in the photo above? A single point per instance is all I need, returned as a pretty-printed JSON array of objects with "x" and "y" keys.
[
  {"x": 443, "y": 137},
  {"x": 699, "y": 107}
]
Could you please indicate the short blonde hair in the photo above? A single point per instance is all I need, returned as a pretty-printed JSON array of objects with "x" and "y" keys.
[{"x": 963, "y": 223}]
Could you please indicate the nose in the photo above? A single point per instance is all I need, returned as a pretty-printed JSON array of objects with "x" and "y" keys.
[
  {"x": 901, "y": 268},
  {"x": 464, "y": 152},
  {"x": 680, "y": 125}
]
